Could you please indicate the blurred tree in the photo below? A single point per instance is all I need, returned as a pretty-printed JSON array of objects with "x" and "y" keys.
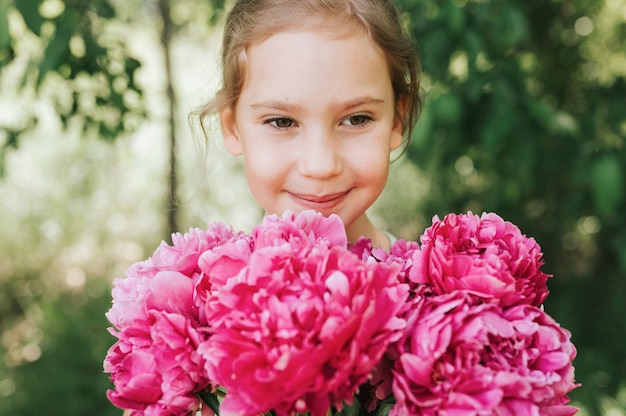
[
  {"x": 65, "y": 58},
  {"x": 169, "y": 26},
  {"x": 77, "y": 56},
  {"x": 70, "y": 53},
  {"x": 525, "y": 116}
]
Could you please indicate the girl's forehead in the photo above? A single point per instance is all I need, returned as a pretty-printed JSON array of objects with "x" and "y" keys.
[
  {"x": 310, "y": 42},
  {"x": 328, "y": 26},
  {"x": 311, "y": 67}
]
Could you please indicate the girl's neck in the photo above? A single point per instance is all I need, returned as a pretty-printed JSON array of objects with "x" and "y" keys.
[{"x": 363, "y": 227}]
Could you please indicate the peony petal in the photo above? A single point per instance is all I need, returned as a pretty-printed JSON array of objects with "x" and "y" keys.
[
  {"x": 338, "y": 285},
  {"x": 552, "y": 361},
  {"x": 171, "y": 292},
  {"x": 417, "y": 369}
]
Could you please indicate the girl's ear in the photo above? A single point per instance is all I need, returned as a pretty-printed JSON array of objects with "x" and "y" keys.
[
  {"x": 230, "y": 133},
  {"x": 398, "y": 124}
]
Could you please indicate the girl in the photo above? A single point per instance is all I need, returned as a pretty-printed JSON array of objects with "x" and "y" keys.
[{"x": 316, "y": 95}]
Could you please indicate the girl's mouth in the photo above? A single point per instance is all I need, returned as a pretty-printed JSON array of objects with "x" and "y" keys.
[{"x": 321, "y": 203}]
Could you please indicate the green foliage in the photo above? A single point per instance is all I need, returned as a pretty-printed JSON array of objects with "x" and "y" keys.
[
  {"x": 68, "y": 378},
  {"x": 6, "y": 52},
  {"x": 76, "y": 62},
  {"x": 524, "y": 116},
  {"x": 67, "y": 76},
  {"x": 69, "y": 231},
  {"x": 607, "y": 185}
]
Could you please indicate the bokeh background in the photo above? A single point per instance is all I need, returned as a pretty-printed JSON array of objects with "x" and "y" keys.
[{"x": 525, "y": 115}]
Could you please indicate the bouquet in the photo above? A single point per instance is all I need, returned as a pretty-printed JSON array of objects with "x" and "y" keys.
[{"x": 293, "y": 319}]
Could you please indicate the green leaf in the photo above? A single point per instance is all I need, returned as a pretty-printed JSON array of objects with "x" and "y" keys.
[
  {"x": 541, "y": 111},
  {"x": 473, "y": 43},
  {"x": 447, "y": 108},
  {"x": 423, "y": 131},
  {"x": 131, "y": 67},
  {"x": 211, "y": 400},
  {"x": 436, "y": 49},
  {"x": 510, "y": 27},
  {"x": 607, "y": 185},
  {"x": 108, "y": 132},
  {"x": 353, "y": 409},
  {"x": 55, "y": 55},
  {"x": 29, "y": 9},
  {"x": 619, "y": 245},
  {"x": 474, "y": 87},
  {"x": 454, "y": 16},
  {"x": 497, "y": 124},
  {"x": 5, "y": 37},
  {"x": 384, "y": 407},
  {"x": 11, "y": 142},
  {"x": 95, "y": 54},
  {"x": 523, "y": 154},
  {"x": 104, "y": 9}
]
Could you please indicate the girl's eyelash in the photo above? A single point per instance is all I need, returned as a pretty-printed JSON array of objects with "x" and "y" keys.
[
  {"x": 284, "y": 123},
  {"x": 275, "y": 122},
  {"x": 366, "y": 119}
]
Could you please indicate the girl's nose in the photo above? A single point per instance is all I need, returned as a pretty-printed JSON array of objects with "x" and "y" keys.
[{"x": 319, "y": 156}]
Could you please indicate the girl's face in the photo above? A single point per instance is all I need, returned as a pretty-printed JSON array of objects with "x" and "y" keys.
[{"x": 315, "y": 122}]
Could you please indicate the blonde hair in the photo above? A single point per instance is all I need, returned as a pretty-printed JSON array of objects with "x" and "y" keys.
[{"x": 252, "y": 21}]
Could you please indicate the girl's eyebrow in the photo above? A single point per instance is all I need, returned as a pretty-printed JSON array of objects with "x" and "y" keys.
[
  {"x": 295, "y": 108},
  {"x": 360, "y": 101},
  {"x": 275, "y": 105}
]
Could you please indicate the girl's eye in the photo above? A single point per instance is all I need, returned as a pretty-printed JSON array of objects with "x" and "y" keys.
[
  {"x": 280, "y": 122},
  {"x": 357, "y": 120}
]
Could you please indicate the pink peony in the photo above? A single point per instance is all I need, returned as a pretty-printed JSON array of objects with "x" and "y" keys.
[
  {"x": 403, "y": 253},
  {"x": 182, "y": 255},
  {"x": 463, "y": 357},
  {"x": 484, "y": 255},
  {"x": 299, "y": 329},
  {"x": 129, "y": 296},
  {"x": 300, "y": 230},
  {"x": 292, "y": 318},
  {"x": 154, "y": 365},
  {"x": 362, "y": 248}
]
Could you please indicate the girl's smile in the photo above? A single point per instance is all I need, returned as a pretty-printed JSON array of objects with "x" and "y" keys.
[
  {"x": 322, "y": 203},
  {"x": 316, "y": 121}
]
